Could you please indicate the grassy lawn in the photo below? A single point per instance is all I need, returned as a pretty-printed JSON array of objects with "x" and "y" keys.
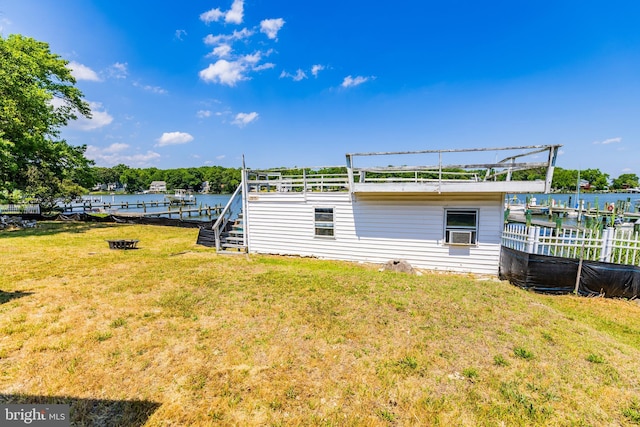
[{"x": 174, "y": 334}]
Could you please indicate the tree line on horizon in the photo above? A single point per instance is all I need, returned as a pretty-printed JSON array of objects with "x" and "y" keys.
[
  {"x": 590, "y": 179},
  {"x": 221, "y": 180}
]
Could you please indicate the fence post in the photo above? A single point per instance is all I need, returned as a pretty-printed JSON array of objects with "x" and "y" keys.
[
  {"x": 577, "y": 287},
  {"x": 607, "y": 244},
  {"x": 531, "y": 240}
]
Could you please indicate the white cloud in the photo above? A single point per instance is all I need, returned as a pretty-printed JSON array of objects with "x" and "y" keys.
[
  {"x": 220, "y": 157},
  {"x": 299, "y": 75},
  {"x": 222, "y": 51},
  {"x": 118, "y": 70},
  {"x": 265, "y": 66},
  {"x": 230, "y": 66},
  {"x": 210, "y": 39},
  {"x": 351, "y": 81},
  {"x": 224, "y": 72},
  {"x": 316, "y": 69},
  {"x": 116, "y": 147},
  {"x": 82, "y": 72},
  {"x": 115, "y": 154},
  {"x": 99, "y": 118},
  {"x": 174, "y": 138},
  {"x": 180, "y": 34},
  {"x": 609, "y": 141},
  {"x": 243, "y": 119},
  {"x": 202, "y": 114},
  {"x": 153, "y": 89},
  {"x": 253, "y": 58},
  {"x": 271, "y": 27},
  {"x": 212, "y": 15},
  {"x": 232, "y": 16},
  {"x": 3, "y": 22}
]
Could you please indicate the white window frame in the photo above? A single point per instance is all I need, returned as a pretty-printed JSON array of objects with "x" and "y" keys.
[
  {"x": 324, "y": 223},
  {"x": 472, "y": 229}
]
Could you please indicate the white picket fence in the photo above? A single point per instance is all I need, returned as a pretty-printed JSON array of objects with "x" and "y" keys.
[
  {"x": 19, "y": 209},
  {"x": 618, "y": 246}
]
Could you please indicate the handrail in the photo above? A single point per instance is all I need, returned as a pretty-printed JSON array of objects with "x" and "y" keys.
[{"x": 222, "y": 218}]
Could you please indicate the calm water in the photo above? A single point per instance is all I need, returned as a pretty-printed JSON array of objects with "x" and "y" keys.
[
  {"x": 570, "y": 199},
  {"x": 203, "y": 200}
]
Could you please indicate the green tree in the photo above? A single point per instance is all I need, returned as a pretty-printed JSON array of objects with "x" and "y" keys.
[
  {"x": 132, "y": 180},
  {"x": 626, "y": 180},
  {"x": 597, "y": 179},
  {"x": 37, "y": 98},
  {"x": 564, "y": 179}
]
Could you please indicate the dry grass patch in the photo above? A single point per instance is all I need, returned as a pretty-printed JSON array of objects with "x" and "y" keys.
[{"x": 181, "y": 336}]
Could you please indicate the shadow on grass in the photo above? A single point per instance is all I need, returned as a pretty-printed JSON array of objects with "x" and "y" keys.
[
  {"x": 8, "y": 296},
  {"x": 93, "y": 412},
  {"x": 48, "y": 228}
]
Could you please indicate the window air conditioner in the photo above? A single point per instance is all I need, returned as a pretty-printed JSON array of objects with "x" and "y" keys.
[{"x": 460, "y": 238}]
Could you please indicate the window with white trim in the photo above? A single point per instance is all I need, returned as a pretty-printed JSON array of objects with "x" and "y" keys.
[
  {"x": 461, "y": 226},
  {"x": 323, "y": 222}
]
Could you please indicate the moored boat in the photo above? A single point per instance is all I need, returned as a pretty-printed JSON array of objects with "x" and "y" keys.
[{"x": 180, "y": 196}]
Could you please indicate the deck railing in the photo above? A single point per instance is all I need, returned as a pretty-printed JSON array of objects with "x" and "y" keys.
[
  {"x": 269, "y": 182},
  {"x": 613, "y": 245},
  {"x": 436, "y": 168}
]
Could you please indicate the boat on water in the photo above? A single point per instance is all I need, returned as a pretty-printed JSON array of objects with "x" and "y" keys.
[
  {"x": 513, "y": 204},
  {"x": 180, "y": 196}
]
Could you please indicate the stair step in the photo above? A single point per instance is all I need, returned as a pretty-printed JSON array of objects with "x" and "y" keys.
[
  {"x": 239, "y": 240},
  {"x": 232, "y": 245}
]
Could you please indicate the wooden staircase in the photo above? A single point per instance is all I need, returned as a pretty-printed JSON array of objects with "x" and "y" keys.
[
  {"x": 232, "y": 239},
  {"x": 227, "y": 234}
]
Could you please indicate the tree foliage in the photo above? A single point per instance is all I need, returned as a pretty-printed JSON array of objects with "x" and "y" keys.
[
  {"x": 626, "y": 180},
  {"x": 37, "y": 98},
  {"x": 220, "y": 179}
]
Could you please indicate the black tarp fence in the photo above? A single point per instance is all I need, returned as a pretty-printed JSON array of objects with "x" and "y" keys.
[{"x": 555, "y": 275}]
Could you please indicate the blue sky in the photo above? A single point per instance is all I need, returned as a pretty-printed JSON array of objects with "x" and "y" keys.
[{"x": 194, "y": 82}]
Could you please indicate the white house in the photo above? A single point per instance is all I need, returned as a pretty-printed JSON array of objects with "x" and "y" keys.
[
  {"x": 158, "y": 187},
  {"x": 445, "y": 215}
]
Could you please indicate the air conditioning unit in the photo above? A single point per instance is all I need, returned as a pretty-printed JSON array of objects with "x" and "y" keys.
[{"x": 460, "y": 238}]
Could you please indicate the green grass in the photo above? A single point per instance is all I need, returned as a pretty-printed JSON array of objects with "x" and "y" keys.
[{"x": 266, "y": 340}]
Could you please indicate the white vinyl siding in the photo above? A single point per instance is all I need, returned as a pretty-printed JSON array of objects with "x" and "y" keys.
[{"x": 377, "y": 229}]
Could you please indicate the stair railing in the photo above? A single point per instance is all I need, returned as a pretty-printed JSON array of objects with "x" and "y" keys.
[{"x": 230, "y": 209}]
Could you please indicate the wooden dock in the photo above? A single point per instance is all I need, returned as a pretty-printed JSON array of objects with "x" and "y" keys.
[
  {"x": 90, "y": 206},
  {"x": 186, "y": 208},
  {"x": 181, "y": 212}
]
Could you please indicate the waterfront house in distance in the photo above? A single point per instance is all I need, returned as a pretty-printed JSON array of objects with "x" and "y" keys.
[
  {"x": 445, "y": 214},
  {"x": 158, "y": 187}
]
